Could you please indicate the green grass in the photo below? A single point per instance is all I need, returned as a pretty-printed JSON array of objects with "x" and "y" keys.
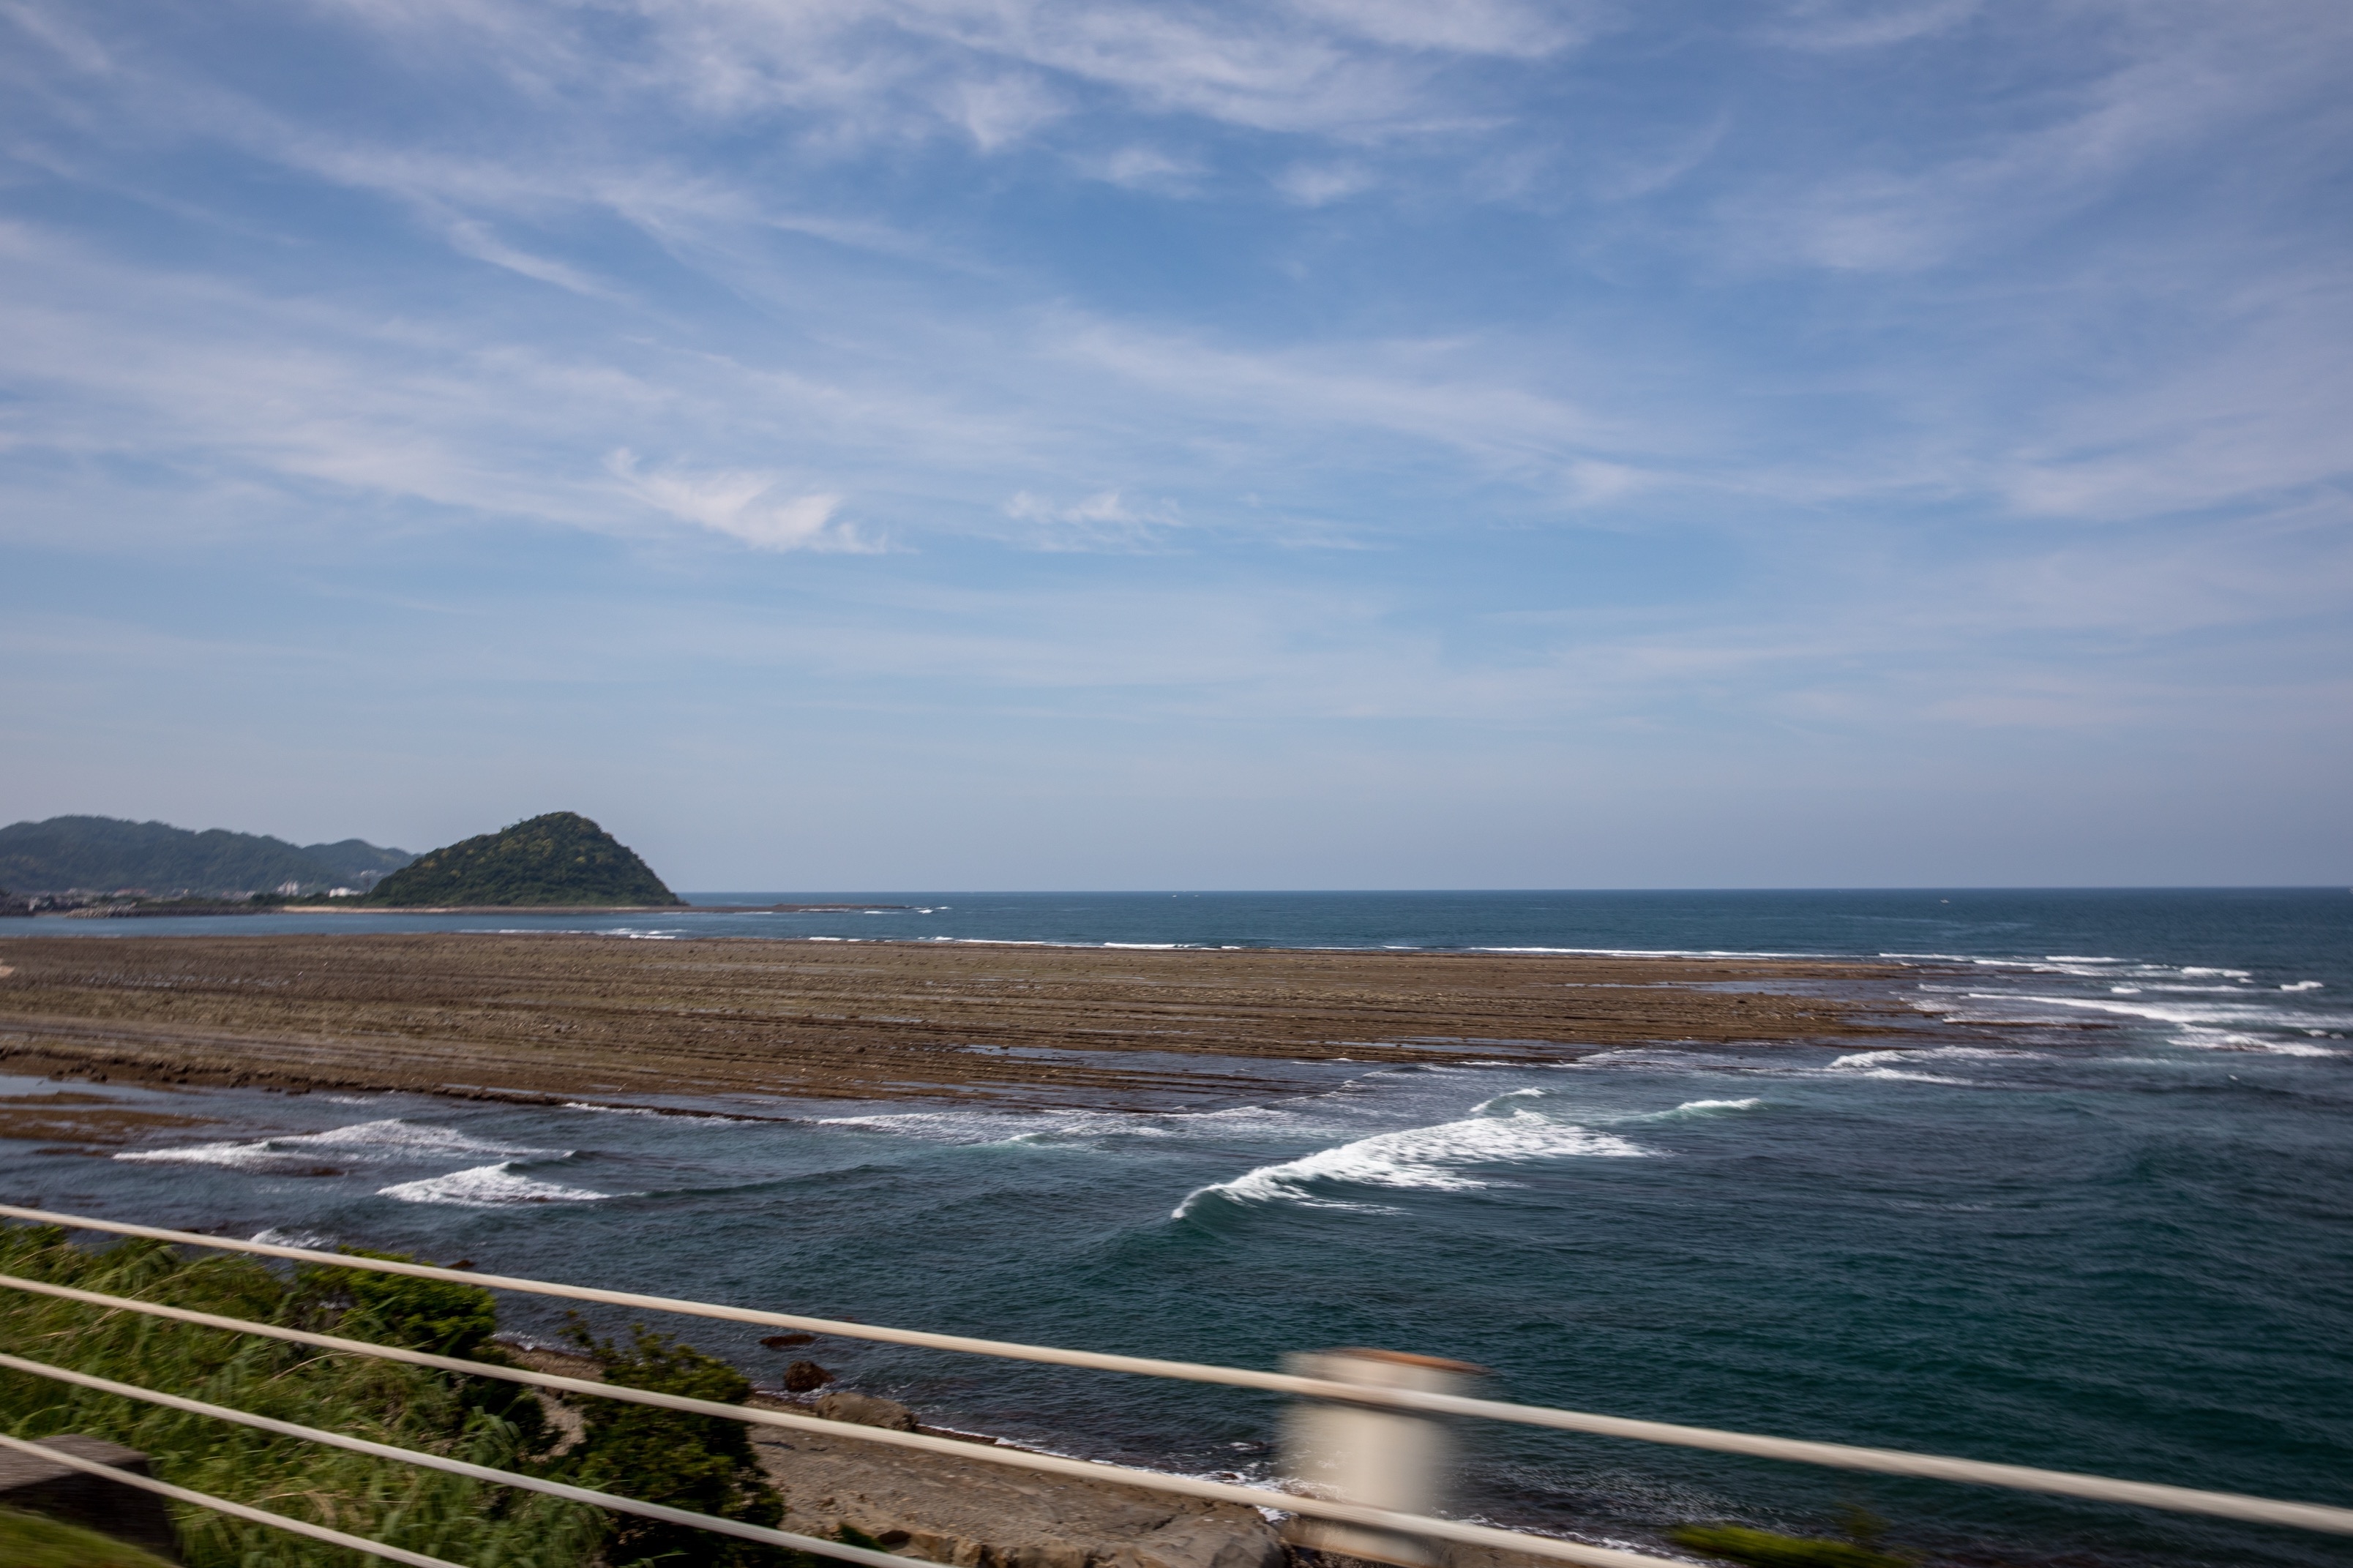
[
  {"x": 1763, "y": 1549},
  {"x": 480, "y": 1524},
  {"x": 28, "y": 1541}
]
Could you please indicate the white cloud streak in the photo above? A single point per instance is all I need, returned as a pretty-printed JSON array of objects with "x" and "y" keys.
[{"x": 743, "y": 506}]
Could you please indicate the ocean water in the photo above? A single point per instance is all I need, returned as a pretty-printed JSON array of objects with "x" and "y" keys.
[{"x": 2104, "y": 1222}]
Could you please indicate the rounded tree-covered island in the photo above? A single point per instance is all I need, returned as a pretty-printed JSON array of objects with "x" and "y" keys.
[{"x": 559, "y": 859}]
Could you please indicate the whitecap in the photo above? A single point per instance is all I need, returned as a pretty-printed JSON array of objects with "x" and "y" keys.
[
  {"x": 2302, "y": 985},
  {"x": 1651, "y": 951},
  {"x": 990, "y": 1127},
  {"x": 279, "y": 1236},
  {"x": 1897, "y": 1075},
  {"x": 1706, "y": 1107},
  {"x": 1242, "y": 1114},
  {"x": 2232, "y": 1040},
  {"x": 1881, "y": 1064},
  {"x": 1429, "y": 1159},
  {"x": 1938, "y": 1053},
  {"x": 366, "y": 1142},
  {"x": 1484, "y": 1106},
  {"x": 491, "y": 1186},
  {"x": 2169, "y": 1011}
]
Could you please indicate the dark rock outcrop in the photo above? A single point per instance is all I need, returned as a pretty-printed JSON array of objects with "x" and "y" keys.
[
  {"x": 806, "y": 1377},
  {"x": 866, "y": 1410}
]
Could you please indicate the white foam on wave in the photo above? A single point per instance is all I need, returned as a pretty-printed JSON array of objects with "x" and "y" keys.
[
  {"x": 2254, "y": 1011},
  {"x": 1429, "y": 1158},
  {"x": 1965, "y": 958},
  {"x": 1897, "y": 1075},
  {"x": 279, "y": 1236},
  {"x": 991, "y": 1127},
  {"x": 1881, "y": 1064},
  {"x": 491, "y": 1186},
  {"x": 610, "y": 1109},
  {"x": 1651, "y": 951},
  {"x": 2302, "y": 985},
  {"x": 1246, "y": 1114},
  {"x": 1711, "y": 1106},
  {"x": 372, "y": 1142},
  {"x": 1933, "y": 1053},
  {"x": 2233, "y": 1040}
]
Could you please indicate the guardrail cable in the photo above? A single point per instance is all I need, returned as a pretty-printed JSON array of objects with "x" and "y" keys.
[
  {"x": 666, "y": 1515},
  {"x": 221, "y": 1505},
  {"x": 1018, "y": 1458},
  {"x": 1885, "y": 1461}
]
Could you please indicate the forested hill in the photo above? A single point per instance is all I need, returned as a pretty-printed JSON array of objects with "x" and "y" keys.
[
  {"x": 559, "y": 859},
  {"x": 103, "y": 854}
]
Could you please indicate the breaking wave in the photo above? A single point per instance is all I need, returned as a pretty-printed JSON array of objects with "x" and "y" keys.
[
  {"x": 491, "y": 1186},
  {"x": 1429, "y": 1159},
  {"x": 373, "y": 1143},
  {"x": 1705, "y": 1108},
  {"x": 988, "y": 1127}
]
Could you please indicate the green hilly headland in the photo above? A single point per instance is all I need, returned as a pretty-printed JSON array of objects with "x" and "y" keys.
[
  {"x": 104, "y": 853},
  {"x": 559, "y": 859}
]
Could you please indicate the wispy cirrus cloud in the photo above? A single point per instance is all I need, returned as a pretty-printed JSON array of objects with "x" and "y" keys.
[
  {"x": 1105, "y": 521},
  {"x": 743, "y": 506},
  {"x": 1840, "y": 376}
]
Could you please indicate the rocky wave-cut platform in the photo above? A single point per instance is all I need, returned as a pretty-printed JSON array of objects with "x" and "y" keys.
[{"x": 568, "y": 1016}]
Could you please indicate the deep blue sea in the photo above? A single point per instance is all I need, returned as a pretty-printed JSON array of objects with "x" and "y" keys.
[{"x": 2124, "y": 1248}]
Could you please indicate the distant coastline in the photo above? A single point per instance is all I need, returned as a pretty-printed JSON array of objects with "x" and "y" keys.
[{"x": 183, "y": 909}]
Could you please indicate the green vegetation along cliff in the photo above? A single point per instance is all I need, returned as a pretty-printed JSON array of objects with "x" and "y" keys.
[
  {"x": 685, "y": 1461},
  {"x": 560, "y": 859},
  {"x": 104, "y": 853}
]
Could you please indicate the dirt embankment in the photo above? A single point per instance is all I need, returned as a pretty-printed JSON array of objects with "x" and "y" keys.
[{"x": 529, "y": 1016}]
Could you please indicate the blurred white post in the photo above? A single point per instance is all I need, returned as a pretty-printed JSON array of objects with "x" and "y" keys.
[{"x": 1362, "y": 1454}]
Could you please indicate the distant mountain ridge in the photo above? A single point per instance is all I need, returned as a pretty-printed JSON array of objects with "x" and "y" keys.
[
  {"x": 561, "y": 858},
  {"x": 104, "y": 854}
]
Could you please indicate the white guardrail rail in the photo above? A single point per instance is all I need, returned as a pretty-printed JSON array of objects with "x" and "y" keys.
[{"x": 1364, "y": 1428}]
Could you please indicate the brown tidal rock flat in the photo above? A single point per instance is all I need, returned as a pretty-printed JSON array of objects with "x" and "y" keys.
[
  {"x": 83, "y": 1120},
  {"x": 533, "y": 1016}
]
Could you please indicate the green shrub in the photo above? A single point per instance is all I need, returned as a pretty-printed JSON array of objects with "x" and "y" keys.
[
  {"x": 479, "y": 1523},
  {"x": 397, "y": 1309},
  {"x": 700, "y": 1462},
  {"x": 434, "y": 1315},
  {"x": 1763, "y": 1549}
]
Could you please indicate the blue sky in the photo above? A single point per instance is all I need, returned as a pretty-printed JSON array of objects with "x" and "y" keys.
[{"x": 1045, "y": 443}]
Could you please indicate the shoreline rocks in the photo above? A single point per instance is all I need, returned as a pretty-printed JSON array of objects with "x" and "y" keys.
[
  {"x": 969, "y": 1513},
  {"x": 964, "y": 1513}
]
